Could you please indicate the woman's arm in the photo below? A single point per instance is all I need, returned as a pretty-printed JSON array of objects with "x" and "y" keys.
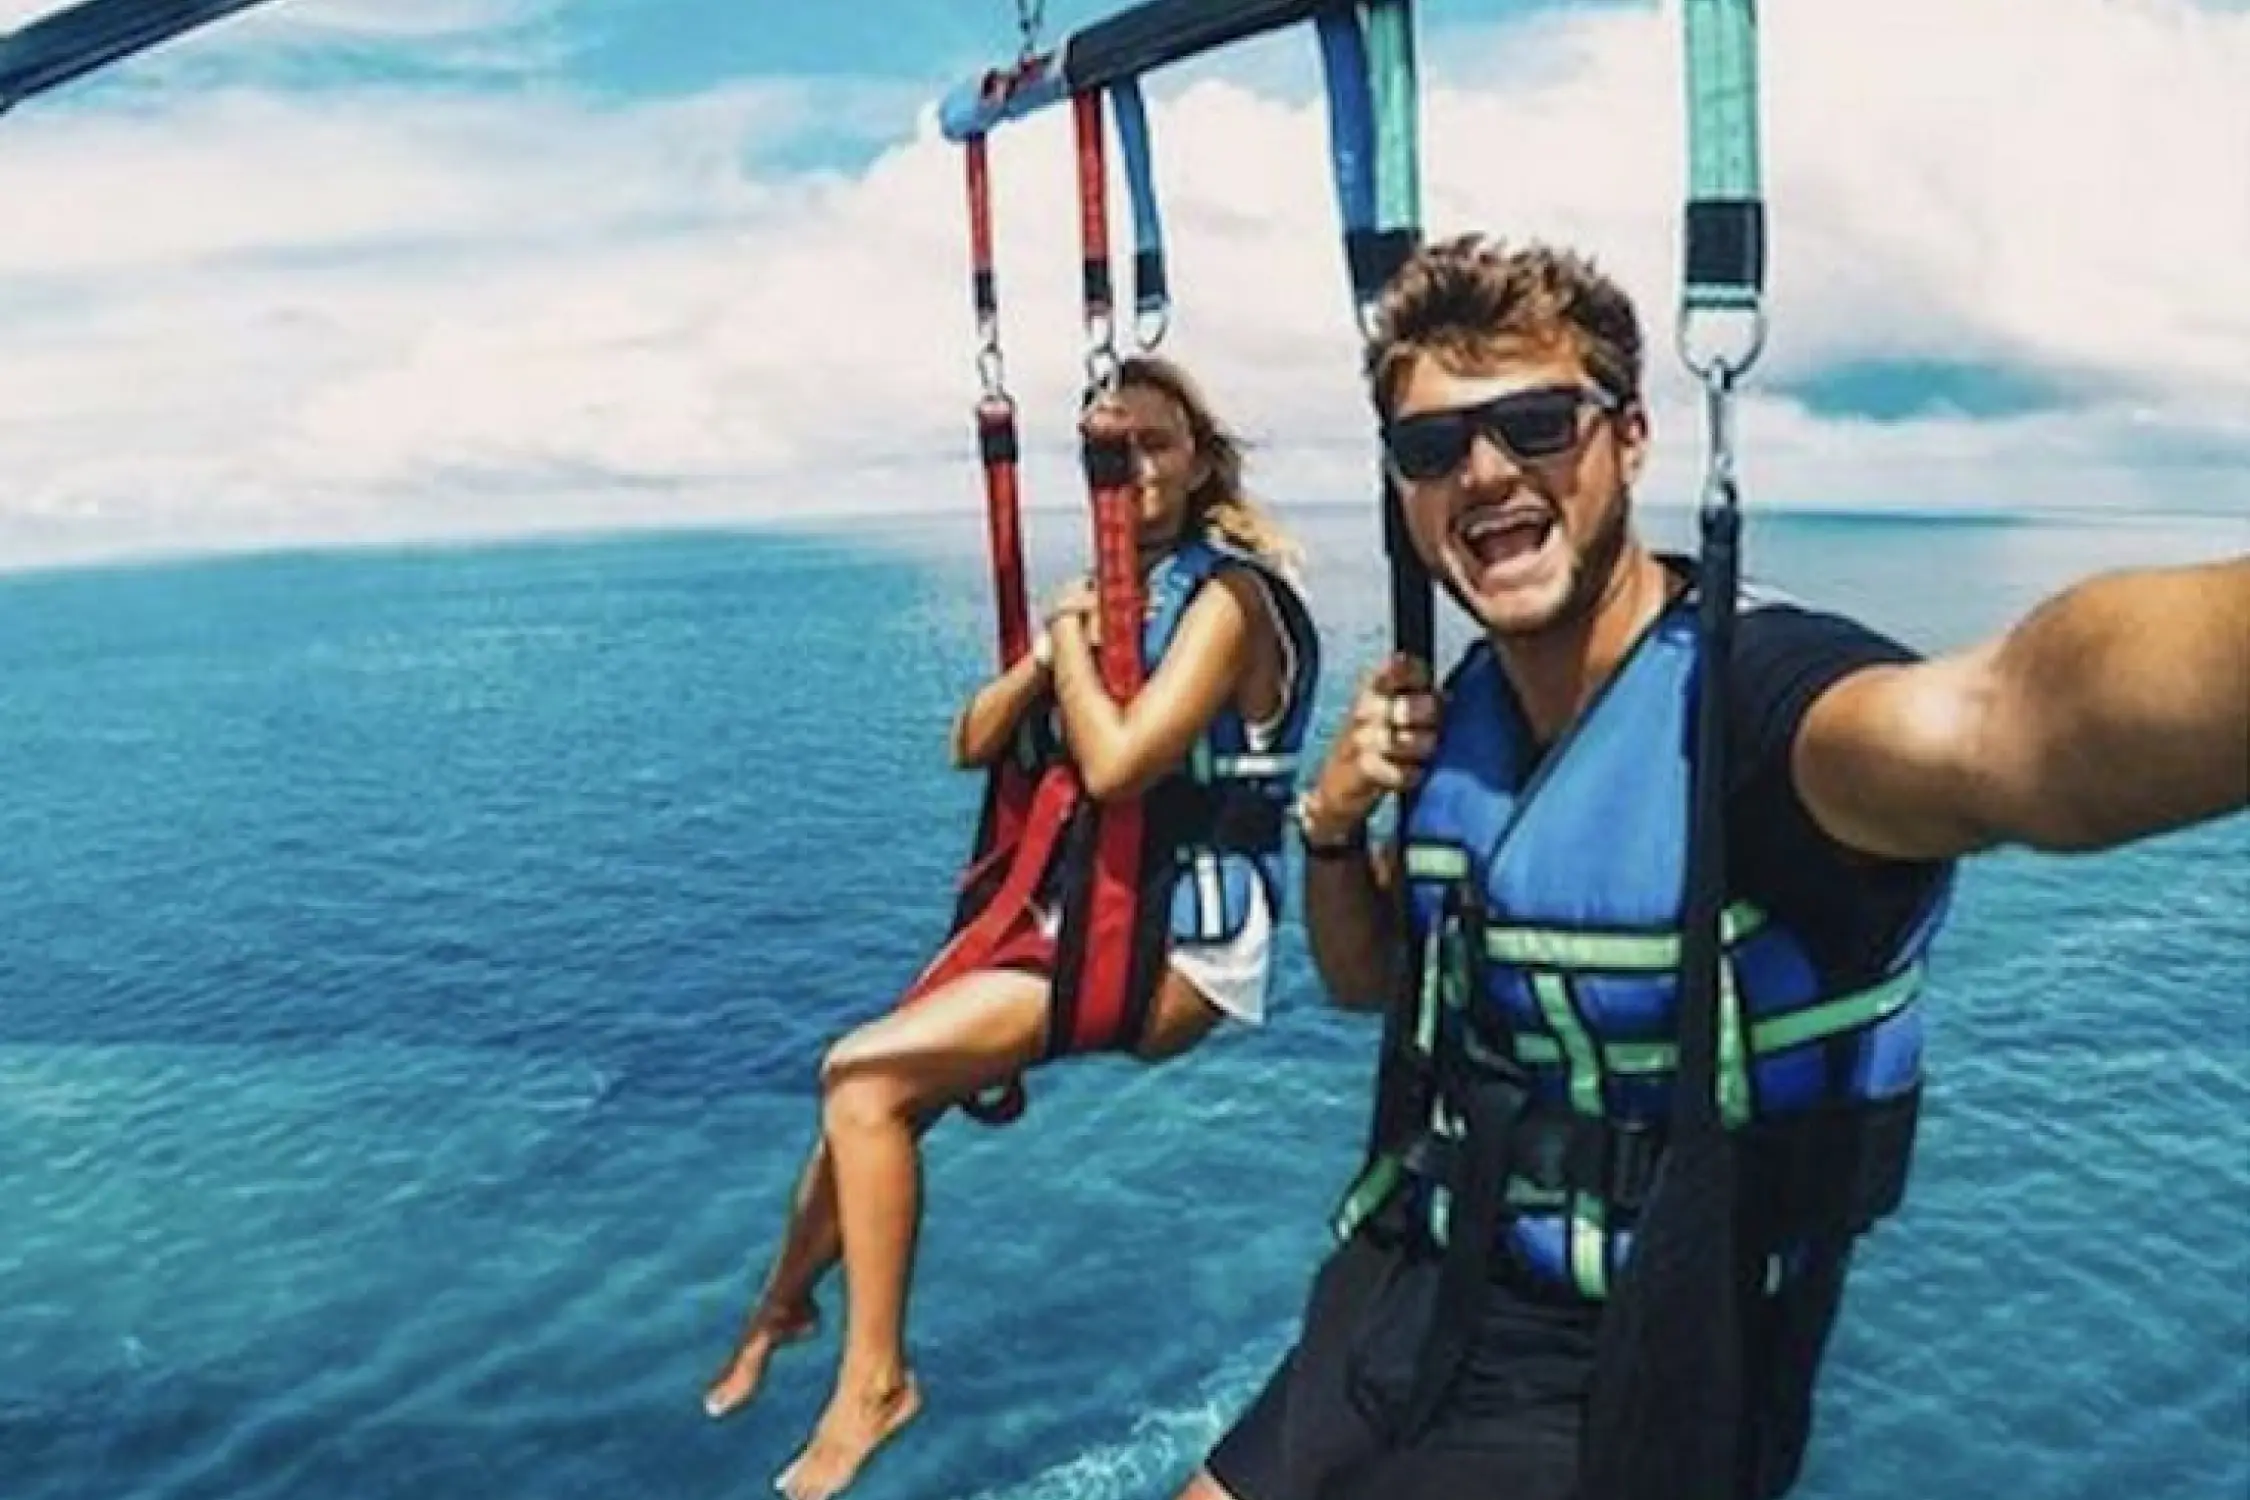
[
  {"x": 987, "y": 722},
  {"x": 1121, "y": 749}
]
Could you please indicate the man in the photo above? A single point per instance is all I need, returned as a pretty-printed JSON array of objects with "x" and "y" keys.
[{"x": 1545, "y": 860}]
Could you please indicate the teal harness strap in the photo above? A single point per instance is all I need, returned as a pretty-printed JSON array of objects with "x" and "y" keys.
[
  {"x": 1725, "y": 209},
  {"x": 1393, "y": 74},
  {"x": 1723, "y": 274},
  {"x": 1665, "y": 1413}
]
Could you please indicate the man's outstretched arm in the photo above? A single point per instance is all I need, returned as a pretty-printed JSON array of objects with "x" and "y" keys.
[{"x": 2117, "y": 709}]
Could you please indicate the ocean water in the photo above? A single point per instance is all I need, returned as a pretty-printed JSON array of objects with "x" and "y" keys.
[{"x": 413, "y": 968}]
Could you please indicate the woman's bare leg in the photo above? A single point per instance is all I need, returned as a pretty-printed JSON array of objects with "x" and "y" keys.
[
  {"x": 785, "y": 1311},
  {"x": 1181, "y": 1016},
  {"x": 880, "y": 1082}
]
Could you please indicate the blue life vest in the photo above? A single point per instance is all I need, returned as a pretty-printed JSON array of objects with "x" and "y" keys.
[
  {"x": 1546, "y": 900},
  {"x": 1224, "y": 812}
]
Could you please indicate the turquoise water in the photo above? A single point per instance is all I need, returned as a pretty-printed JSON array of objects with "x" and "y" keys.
[{"x": 413, "y": 966}]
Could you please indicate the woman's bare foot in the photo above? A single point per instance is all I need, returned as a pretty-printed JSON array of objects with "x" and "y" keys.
[
  {"x": 859, "y": 1419},
  {"x": 769, "y": 1329}
]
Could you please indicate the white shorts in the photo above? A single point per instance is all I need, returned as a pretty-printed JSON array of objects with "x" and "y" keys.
[{"x": 1233, "y": 974}]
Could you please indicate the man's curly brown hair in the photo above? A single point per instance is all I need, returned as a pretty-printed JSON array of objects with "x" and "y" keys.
[{"x": 1470, "y": 300}]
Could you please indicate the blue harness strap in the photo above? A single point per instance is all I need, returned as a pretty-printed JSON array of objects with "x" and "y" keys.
[{"x": 1152, "y": 301}]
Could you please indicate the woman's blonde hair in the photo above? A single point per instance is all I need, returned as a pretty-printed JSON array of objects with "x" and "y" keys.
[{"x": 1218, "y": 505}]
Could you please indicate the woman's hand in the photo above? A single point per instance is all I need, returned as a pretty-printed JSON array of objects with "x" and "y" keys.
[{"x": 1078, "y": 603}]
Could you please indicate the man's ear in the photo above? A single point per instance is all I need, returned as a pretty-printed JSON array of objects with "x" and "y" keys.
[{"x": 1632, "y": 442}]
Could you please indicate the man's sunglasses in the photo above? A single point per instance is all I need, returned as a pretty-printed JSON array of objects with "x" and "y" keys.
[{"x": 1528, "y": 425}]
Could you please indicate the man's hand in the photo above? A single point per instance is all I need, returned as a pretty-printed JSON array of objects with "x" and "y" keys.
[{"x": 1384, "y": 746}]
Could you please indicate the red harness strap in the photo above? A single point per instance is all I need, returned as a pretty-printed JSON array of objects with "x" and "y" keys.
[
  {"x": 994, "y": 923},
  {"x": 1009, "y": 785},
  {"x": 1099, "y": 1000},
  {"x": 1098, "y": 967},
  {"x": 1008, "y": 790},
  {"x": 1097, "y": 1003}
]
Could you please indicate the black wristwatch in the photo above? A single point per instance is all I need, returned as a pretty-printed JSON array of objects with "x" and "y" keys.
[{"x": 1352, "y": 843}]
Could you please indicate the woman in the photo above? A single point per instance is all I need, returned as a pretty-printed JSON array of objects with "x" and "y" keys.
[{"x": 1232, "y": 658}]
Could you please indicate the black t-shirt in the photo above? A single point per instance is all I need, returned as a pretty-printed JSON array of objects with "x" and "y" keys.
[{"x": 1849, "y": 908}]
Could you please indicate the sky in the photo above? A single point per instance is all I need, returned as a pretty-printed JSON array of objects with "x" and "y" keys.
[{"x": 366, "y": 270}]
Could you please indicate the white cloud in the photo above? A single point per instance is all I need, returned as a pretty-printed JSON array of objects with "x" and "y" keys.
[{"x": 245, "y": 314}]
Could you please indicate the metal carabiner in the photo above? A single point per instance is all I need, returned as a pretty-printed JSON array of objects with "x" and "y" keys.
[
  {"x": 992, "y": 373},
  {"x": 1150, "y": 325},
  {"x": 1749, "y": 321},
  {"x": 1102, "y": 364},
  {"x": 1718, "y": 425}
]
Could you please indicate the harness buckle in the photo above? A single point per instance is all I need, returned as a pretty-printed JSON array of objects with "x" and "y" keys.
[
  {"x": 1432, "y": 1156},
  {"x": 1634, "y": 1151},
  {"x": 1549, "y": 1158},
  {"x": 1585, "y": 1154}
]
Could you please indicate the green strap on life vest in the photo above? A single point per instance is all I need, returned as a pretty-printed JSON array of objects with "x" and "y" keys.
[{"x": 1554, "y": 956}]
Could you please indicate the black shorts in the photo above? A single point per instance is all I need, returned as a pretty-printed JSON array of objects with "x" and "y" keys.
[{"x": 1509, "y": 1423}]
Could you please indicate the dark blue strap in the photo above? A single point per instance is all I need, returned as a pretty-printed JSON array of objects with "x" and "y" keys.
[
  {"x": 1351, "y": 145},
  {"x": 71, "y": 43},
  {"x": 1151, "y": 299}
]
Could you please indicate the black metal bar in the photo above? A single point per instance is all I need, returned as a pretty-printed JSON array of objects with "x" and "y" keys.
[
  {"x": 1151, "y": 35},
  {"x": 71, "y": 43}
]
